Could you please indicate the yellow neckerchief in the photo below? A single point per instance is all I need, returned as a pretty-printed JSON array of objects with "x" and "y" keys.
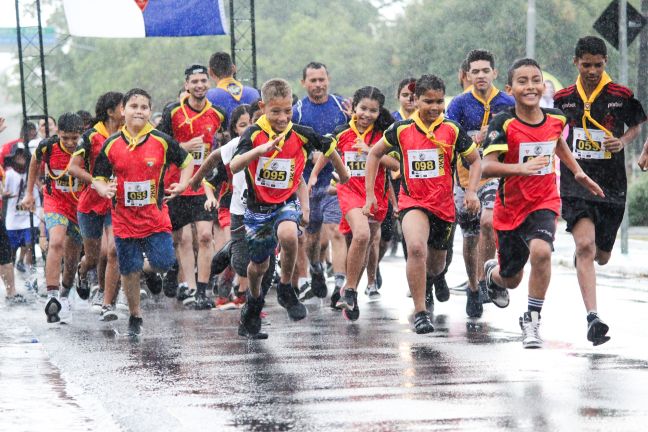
[
  {"x": 70, "y": 181},
  {"x": 226, "y": 82},
  {"x": 264, "y": 124},
  {"x": 362, "y": 136},
  {"x": 100, "y": 127},
  {"x": 587, "y": 103},
  {"x": 429, "y": 132},
  {"x": 402, "y": 114},
  {"x": 486, "y": 103},
  {"x": 133, "y": 141},
  {"x": 190, "y": 120}
]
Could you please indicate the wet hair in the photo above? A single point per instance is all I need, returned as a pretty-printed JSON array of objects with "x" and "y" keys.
[
  {"x": 428, "y": 82},
  {"x": 221, "y": 64},
  {"x": 107, "y": 101},
  {"x": 274, "y": 89},
  {"x": 517, "y": 64},
  {"x": 384, "y": 119},
  {"x": 314, "y": 65},
  {"x": 25, "y": 129},
  {"x": 404, "y": 83},
  {"x": 477, "y": 55},
  {"x": 237, "y": 113},
  {"x": 70, "y": 122},
  {"x": 135, "y": 92},
  {"x": 590, "y": 45},
  {"x": 254, "y": 106},
  {"x": 86, "y": 117}
]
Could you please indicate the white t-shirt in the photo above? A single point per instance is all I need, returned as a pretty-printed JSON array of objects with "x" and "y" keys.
[
  {"x": 15, "y": 185},
  {"x": 239, "y": 185}
]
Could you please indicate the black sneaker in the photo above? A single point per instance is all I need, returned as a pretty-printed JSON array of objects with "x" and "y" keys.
[
  {"x": 135, "y": 326},
  {"x": 429, "y": 295},
  {"x": 483, "y": 292},
  {"x": 170, "y": 282},
  {"x": 250, "y": 323},
  {"x": 153, "y": 282},
  {"x": 378, "y": 278},
  {"x": 83, "y": 287},
  {"x": 183, "y": 292},
  {"x": 201, "y": 302},
  {"x": 498, "y": 295},
  {"x": 221, "y": 259},
  {"x": 349, "y": 305},
  {"x": 335, "y": 297},
  {"x": 52, "y": 309},
  {"x": 441, "y": 289},
  {"x": 422, "y": 323},
  {"x": 474, "y": 308},
  {"x": 597, "y": 330},
  {"x": 288, "y": 300},
  {"x": 306, "y": 291},
  {"x": 318, "y": 281}
]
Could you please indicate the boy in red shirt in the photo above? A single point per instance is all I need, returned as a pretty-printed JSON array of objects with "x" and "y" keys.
[{"x": 520, "y": 148}]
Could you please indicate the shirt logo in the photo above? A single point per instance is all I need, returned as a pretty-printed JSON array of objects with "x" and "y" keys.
[
  {"x": 492, "y": 135},
  {"x": 615, "y": 104},
  {"x": 142, "y": 4},
  {"x": 537, "y": 150},
  {"x": 234, "y": 89},
  {"x": 569, "y": 105}
]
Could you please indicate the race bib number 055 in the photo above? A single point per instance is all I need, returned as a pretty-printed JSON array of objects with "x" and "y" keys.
[
  {"x": 583, "y": 148},
  {"x": 423, "y": 164},
  {"x": 529, "y": 151},
  {"x": 276, "y": 175},
  {"x": 138, "y": 194}
]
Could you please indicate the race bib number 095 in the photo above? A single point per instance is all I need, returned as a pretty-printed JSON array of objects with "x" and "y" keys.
[{"x": 276, "y": 175}]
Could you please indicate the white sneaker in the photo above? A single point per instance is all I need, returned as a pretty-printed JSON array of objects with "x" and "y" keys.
[
  {"x": 372, "y": 292},
  {"x": 66, "y": 310},
  {"x": 122, "y": 302},
  {"x": 530, "y": 324},
  {"x": 97, "y": 301}
]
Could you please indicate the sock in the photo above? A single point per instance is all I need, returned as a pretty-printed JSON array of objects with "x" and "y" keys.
[
  {"x": 301, "y": 281},
  {"x": 52, "y": 291},
  {"x": 65, "y": 291},
  {"x": 339, "y": 280},
  {"x": 535, "y": 304},
  {"x": 201, "y": 287}
]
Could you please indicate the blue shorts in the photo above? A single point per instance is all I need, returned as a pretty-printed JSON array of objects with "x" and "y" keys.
[
  {"x": 92, "y": 224},
  {"x": 158, "y": 248},
  {"x": 19, "y": 238},
  {"x": 324, "y": 208},
  {"x": 261, "y": 229},
  {"x": 54, "y": 219}
]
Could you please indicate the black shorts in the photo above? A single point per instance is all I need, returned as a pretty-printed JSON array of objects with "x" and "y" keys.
[
  {"x": 184, "y": 210},
  {"x": 606, "y": 218},
  {"x": 440, "y": 237},
  {"x": 387, "y": 225},
  {"x": 513, "y": 246},
  {"x": 6, "y": 253}
]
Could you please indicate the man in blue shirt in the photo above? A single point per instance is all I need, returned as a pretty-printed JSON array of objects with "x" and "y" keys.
[
  {"x": 228, "y": 93},
  {"x": 323, "y": 112},
  {"x": 473, "y": 110}
]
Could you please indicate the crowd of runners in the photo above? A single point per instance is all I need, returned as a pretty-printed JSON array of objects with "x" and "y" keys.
[{"x": 231, "y": 191}]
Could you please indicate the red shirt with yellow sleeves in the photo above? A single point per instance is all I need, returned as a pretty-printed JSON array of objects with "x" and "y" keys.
[
  {"x": 92, "y": 142},
  {"x": 183, "y": 123},
  {"x": 139, "y": 210},
  {"x": 61, "y": 191},
  {"x": 427, "y": 159}
]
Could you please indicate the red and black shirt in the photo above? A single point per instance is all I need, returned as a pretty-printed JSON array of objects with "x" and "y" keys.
[
  {"x": 138, "y": 207},
  {"x": 183, "y": 123},
  {"x": 613, "y": 108},
  {"x": 92, "y": 142},
  {"x": 61, "y": 191},
  {"x": 427, "y": 161},
  {"x": 517, "y": 142}
]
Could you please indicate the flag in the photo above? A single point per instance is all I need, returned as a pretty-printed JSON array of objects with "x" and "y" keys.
[{"x": 144, "y": 18}]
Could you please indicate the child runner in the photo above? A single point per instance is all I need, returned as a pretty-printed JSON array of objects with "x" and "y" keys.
[
  {"x": 519, "y": 148},
  {"x": 406, "y": 103},
  {"x": 426, "y": 144}
]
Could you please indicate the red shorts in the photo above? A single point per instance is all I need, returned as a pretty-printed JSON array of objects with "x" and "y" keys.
[{"x": 224, "y": 217}]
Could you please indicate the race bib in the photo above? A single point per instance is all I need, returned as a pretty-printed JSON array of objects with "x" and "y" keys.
[
  {"x": 63, "y": 183},
  {"x": 199, "y": 155},
  {"x": 276, "y": 175},
  {"x": 583, "y": 148},
  {"x": 356, "y": 162},
  {"x": 423, "y": 163},
  {"x": 138, "y": 194},
  {"x": 529, "y": 151}
]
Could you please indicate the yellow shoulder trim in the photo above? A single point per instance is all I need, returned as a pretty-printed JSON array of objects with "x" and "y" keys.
[
  {"x": 502, "y": 148},
  {"x": 187, "y": 161},
  {"x": 562, "y": 119},
  {"x": 471, "y": 149}
]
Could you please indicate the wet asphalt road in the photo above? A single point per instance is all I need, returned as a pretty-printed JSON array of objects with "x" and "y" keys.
[{"x": 190, "y": 371}]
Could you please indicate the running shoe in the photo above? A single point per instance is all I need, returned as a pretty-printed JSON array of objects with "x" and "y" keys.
[
  {"x": 83, "y": 287},
  {"x": 441, "y": 289},
  {"x": 422, "y": 323},
  {"x": 153, "y": 282},
  {"x": 474, "y": 308},
  {"x": 221, "y": 259},
  {"x": 483, "y": 292},
  {"x": 530, "y": 325},
  {"x": 97, "y": 301},
  {"x": 170, "y": 281},
  {"x": 498, "y": 295},
  {"x": 20, "y": 266},
  {"x": 335, "y": 297},
  {"x": 52, "y": 309},
  {"x": 202, "y": 302},
  {"x": 287, "y": 299},
  {"x": 108, "y": 313},
  {"x": 135, "y": 326},
  {"x": 354, "y": 313},
  {"x": 250, "y": 323},
  {"x": 306, "y": 291},
  {"x": 66, "y": 310},
  {"x": 372, "y": 292},
  {"x": 183, "y": 292},
  {"x": 16, "y": 299},
  {"x": 224, "y": 303},
  {"x": 318, "y": 281},
  {"x": 122, "y": 301},
  {"x": 596, "y": 330},
  {"x": 239, "y": 299}
]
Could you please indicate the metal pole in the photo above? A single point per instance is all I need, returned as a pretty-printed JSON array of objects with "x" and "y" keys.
[
  {"x": 531, "y": 28},
  {"x": 20, "y": 63},
  {"x": 623, "y": 79},
  {"x": 232, "y": 31},
  {"x": 252, "y": 26},
  {"x": 42, "y": 62}
]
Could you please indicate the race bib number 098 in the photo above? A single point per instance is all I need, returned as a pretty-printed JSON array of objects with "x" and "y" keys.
[{"x": 423, "y": 163}]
